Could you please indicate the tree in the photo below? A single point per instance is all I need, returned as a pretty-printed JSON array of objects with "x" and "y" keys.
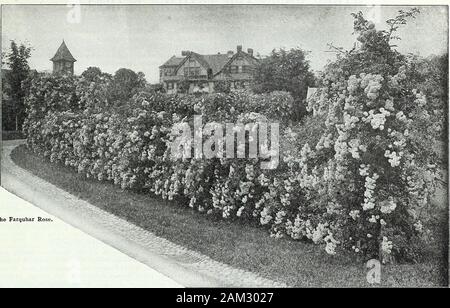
[
  {"x": 8, "y": 118},
  {"x": 285, "y": 71},
  {"x": 92, "y": 73},
  {"x": 17, "y": 61},
  {"x": 125, "y": 84}
]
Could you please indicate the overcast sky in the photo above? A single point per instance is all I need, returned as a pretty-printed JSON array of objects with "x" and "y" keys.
[{"x": 142, "y": 37}]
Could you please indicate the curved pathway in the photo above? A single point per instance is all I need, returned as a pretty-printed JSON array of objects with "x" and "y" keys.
[{"x": 176, "y": 264}]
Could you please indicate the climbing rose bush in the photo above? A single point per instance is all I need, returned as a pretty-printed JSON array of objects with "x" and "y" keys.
[
  {"x": 373, "y": 175},
  {"x": 353, "y": 176},
  {"x": 376, "y": 163}
]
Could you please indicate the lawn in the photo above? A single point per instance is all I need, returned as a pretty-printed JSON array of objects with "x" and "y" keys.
[
  {"x": 12, "y": 135},
  {"x": 235, "y": 243}
]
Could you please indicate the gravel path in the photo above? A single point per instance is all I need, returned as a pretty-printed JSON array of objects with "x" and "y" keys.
[
  {"x": 51, "y": 253},
  {"x": 184, "y": 266}
]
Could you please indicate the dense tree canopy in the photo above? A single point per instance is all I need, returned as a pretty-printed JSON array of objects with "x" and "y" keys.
[
  {"x": 13, "y": 111},
  {"x": 285, "y": 70},
  {"x": 93, "y": 72},
  {"x": 125, "y": 83}
]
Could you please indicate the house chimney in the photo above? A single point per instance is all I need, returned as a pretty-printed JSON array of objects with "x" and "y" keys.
[
  {"x": 239, "y": 48},
  {"x": 185, "y": 53},
  {"x": 250, "y": 51},
  {"x": 230, "y": 53}
]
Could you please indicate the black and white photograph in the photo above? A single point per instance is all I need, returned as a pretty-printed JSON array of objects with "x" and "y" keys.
[{"x": 242, "y": 146}]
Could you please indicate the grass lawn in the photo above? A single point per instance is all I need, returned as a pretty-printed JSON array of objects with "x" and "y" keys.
[
  {"x": 12, "y": 135},
  {"x": 243, "y": 246}
]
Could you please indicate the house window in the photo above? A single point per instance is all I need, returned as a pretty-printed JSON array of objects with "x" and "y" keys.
[
  {"x": 169, "y": 86},
  {"x": 191, "y": 71},
  {"x": 247, "y": 69},
  {"x": 167, "y": 72},
  {"x": 239, "y": 69}
]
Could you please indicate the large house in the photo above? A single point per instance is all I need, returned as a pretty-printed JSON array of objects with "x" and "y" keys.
[{"x": 193, "y": 72}]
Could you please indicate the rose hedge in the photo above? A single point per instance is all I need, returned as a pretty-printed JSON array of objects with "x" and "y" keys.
[{"x": 349, "y": 178}]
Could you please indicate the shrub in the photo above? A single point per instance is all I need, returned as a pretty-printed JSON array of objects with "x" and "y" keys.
[
  {"x": 377, "y": 163},
  {"x": 222, "y": 86}
]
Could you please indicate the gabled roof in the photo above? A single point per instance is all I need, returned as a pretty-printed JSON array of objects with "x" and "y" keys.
[
  {"x": 63, "y": 53},
  {"x": 195, "y": 56},
  {"x": 215, "y": 62},
  {"x": 174, "y": 61},
  {"x": 200, "y": 59},
  {"x": 237, "y": 54}
]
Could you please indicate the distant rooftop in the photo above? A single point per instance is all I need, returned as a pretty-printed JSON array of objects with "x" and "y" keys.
[
  {"x": 215, "y": 62},
  {"x": 63, "y": 53},
  {"x": 174, "y": 61}
]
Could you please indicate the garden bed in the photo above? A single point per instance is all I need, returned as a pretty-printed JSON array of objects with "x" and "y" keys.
[{"x": 235, "y": 243}]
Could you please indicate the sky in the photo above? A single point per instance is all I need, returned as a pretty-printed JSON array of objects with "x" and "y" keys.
[{"x": 143, "y": 37}]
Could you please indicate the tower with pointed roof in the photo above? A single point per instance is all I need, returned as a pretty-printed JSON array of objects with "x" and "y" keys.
[{"x": 63, "y": 61}]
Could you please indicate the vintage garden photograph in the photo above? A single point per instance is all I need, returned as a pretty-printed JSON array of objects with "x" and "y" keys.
[{"x": 230, "y": 145}]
